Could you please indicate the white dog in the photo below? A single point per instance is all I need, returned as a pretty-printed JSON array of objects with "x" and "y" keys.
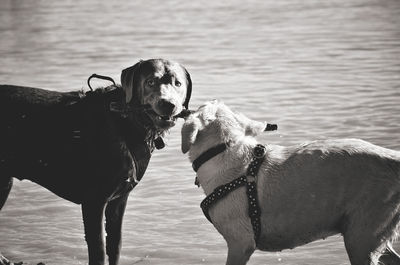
[{"x": 305, "y": 192}]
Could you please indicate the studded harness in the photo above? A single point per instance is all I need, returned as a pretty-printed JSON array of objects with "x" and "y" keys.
[{"x": 248, "y": 180}]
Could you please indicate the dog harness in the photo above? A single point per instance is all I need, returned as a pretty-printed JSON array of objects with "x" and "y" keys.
[
  {"x": 248, "y": 180},
  {"x": 141, "y": 145},
  {"x": 125, "y": 109},
  {"x": 139, "y": 141}
]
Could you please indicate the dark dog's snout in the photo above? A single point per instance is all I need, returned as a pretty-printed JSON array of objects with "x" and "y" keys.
[{"x": 166, "y": 106}]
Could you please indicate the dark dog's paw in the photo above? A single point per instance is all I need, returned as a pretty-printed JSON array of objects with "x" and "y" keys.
[{"x": 4, "y": 261}]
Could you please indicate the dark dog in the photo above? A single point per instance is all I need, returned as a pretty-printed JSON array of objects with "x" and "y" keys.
[{"x": 93, "y": 148}]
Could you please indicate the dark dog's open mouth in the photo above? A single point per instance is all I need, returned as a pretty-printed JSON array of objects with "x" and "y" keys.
[
  {"x": 165, "y": 118},
  {"x": 162, "y": 121}
]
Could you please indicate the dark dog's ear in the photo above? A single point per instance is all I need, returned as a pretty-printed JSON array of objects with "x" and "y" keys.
[
  {"x": 127, "y": 80},
  {"x": 189, "y": 133},
  {"x": 188, "y": 89}
]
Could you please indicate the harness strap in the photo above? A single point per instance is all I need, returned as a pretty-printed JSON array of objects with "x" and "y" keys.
[
  {"x": 134, "y": 134},
  {"x": 139, "y": 148},
  {"x": 99, "y": 77},
  {"x": 219, "y": 193},
  {"x": 249, "y": 180}
]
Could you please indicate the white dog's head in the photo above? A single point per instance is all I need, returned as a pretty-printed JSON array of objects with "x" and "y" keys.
[{"x": 215, "y": 123}]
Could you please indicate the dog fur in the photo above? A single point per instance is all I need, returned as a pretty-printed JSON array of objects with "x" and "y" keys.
[
  {"x": 90, "y": 149},
  {"x": 306, "y": 192}
]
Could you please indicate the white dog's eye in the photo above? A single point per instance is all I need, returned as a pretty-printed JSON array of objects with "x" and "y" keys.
[{"x": 177, "y": 83}]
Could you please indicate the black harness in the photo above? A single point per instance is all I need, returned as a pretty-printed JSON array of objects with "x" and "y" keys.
[
  {"x": 125, "y": 110},
  {"x": 141, "y": 146},
  {"x": 132, "y": 128},
  {"x": 248, "y": 180}
]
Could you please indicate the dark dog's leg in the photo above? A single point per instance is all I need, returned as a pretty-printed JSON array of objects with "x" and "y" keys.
[
  {"x": 93, "y": 220},
  {"x": 5, "y": 187},
  {"x": 114, "y": 214}
]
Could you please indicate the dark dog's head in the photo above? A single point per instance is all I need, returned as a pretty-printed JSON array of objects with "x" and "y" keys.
[{"x": 161, "y": 85}]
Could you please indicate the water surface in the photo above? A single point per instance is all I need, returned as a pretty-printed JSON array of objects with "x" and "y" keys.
[{"x": 320, "y": 69}]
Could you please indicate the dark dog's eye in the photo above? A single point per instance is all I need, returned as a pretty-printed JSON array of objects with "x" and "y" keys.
[
  {"x": 151, "y": 82},
  {"x": 177, "y": 83}
]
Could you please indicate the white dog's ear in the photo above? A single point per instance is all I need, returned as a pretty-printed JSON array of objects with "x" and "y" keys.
[
  {"x": 189, "y": 133},
  {"x": 254, "y": 128},
  {"x": 127, "y": 80},
  {"x": 251, "y": 127}
]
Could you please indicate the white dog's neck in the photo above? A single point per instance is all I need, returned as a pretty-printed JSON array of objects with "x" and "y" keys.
[{"x": 226, "y": 166}]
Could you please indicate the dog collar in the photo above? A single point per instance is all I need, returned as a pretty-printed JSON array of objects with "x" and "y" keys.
[
  {"x": 213, "y": 151},
  {"x": 207, "y": 155}
]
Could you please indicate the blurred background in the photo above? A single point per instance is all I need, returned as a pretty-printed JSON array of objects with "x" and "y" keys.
[{"x": 319, "y": 69}]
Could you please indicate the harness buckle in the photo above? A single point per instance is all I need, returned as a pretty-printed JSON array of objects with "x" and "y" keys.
[
  {"x": 76, "y": 134},
  {"x": 259, "y": 151}
]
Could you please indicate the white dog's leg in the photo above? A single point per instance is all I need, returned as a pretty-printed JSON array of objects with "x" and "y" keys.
[{"x": 239, "y": 251}]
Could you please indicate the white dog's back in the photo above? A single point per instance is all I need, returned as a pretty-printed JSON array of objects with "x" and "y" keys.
[{"x": 314, "y": 190}]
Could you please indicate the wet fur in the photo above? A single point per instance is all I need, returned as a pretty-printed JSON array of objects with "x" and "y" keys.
[
  {"x": 79, "y": 149},
  {"x": 306, "y": 192}
]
